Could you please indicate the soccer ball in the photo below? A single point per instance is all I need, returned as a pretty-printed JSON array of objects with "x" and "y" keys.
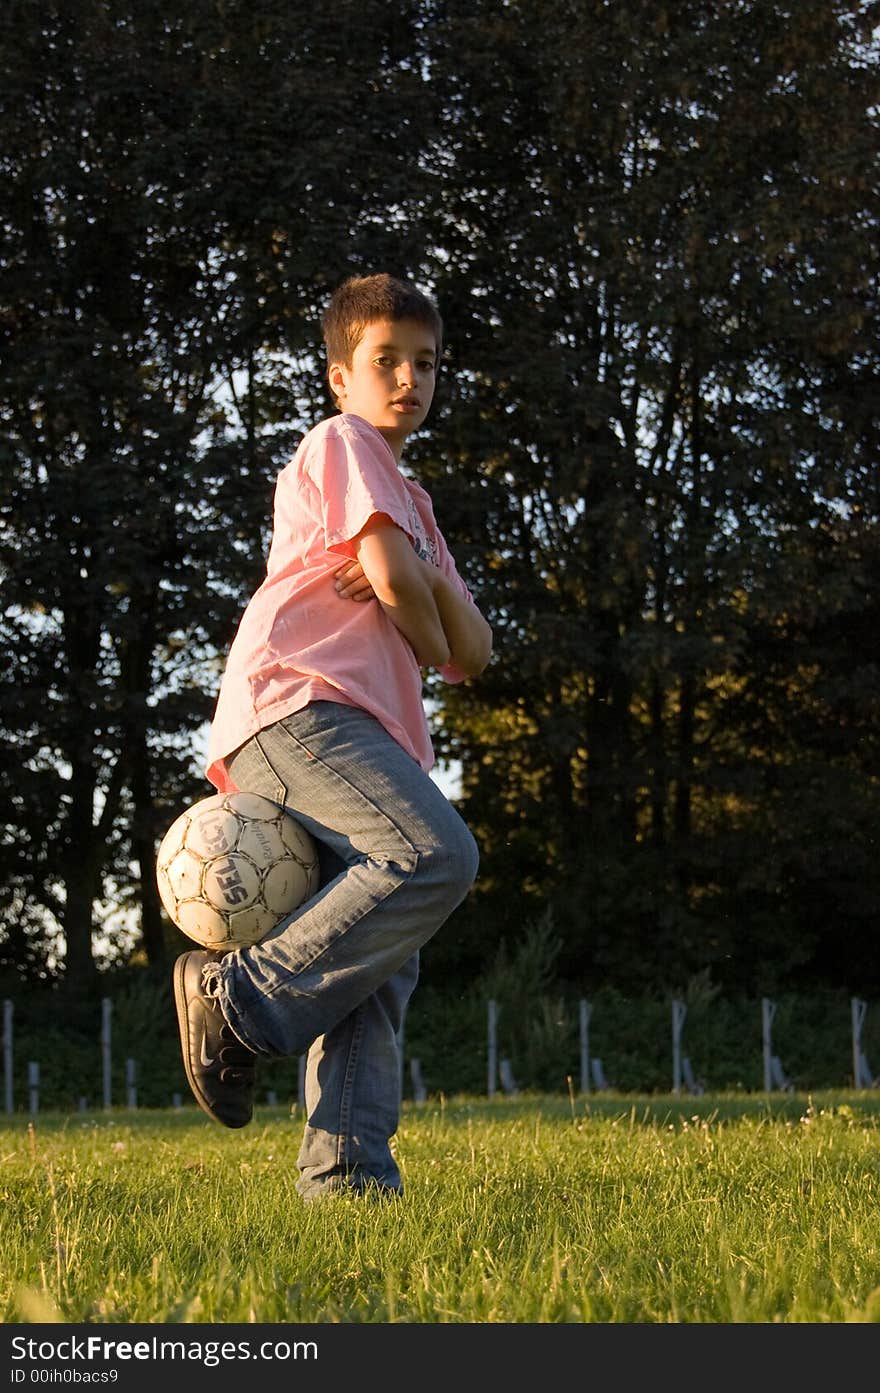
[{"x": 232, "y": 867}]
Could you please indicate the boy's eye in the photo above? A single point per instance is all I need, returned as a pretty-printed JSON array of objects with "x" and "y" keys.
[{"x": 427, "y": 365}]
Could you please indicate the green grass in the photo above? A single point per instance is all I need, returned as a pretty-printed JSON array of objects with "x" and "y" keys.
[{"x": 735, "y": 1208}]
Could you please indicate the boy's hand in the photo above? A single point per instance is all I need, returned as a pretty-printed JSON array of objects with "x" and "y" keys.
[{"x": 352, "y": 584}]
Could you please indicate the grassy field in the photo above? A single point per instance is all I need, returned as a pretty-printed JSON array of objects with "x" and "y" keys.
[{"x": 734, "y": 1208}]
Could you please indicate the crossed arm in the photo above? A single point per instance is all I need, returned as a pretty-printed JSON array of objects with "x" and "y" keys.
[{"x": 439, "y": 623}]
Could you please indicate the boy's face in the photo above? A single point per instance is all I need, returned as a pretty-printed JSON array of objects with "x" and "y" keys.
[{"x": 390, "y": 382}]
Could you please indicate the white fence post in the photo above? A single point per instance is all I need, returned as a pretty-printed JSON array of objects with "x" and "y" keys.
[
  {"x": 106, "y": 1056},
  {"x": 34, "y": 1086},
  {"x": 861, "y": 1070},
  {"x": 858, "y": 1009},
  {"x": 679, "y": 1011},
  {"x": 7, "y": 1055},
  {"x": 131, "y": 1083},
  {"x": 301, "y": 1081},
  {"x": 420, "y": 1093},
  {"x": 585, "y": 1011},
  {"x": 505, "y": 1074},
  {"x": 492, "y": 1062},
  {"x": 768, "y": 1011}
]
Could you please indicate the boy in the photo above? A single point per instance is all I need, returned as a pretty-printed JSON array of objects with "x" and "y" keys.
[{"x": 320, "y": 708}]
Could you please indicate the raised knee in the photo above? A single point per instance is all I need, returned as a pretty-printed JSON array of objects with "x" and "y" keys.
[
  {"x": 450, "y": 865},
  {"x": 469, "y": 859}
]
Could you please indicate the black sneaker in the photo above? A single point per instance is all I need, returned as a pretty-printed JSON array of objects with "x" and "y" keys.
[{"x": 220, "y": 1069}]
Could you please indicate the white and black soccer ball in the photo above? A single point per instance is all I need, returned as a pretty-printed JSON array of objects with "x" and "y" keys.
[{"x": 232, "y": 866}]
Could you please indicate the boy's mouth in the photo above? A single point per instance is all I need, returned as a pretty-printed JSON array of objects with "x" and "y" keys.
[{"x": 407, "y": 403}]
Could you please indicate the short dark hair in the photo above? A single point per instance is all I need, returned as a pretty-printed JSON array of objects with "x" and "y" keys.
[{"x": 361, "y": 300}]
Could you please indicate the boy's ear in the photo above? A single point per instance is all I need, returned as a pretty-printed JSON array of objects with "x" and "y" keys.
[{"x": 336, "y": 379}]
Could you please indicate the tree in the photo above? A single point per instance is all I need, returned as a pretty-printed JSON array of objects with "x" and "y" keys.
[
  {"x": 183, "y": 187},
  {"x": 652, "y": 232},
  {"x": 663, "y": 408}
]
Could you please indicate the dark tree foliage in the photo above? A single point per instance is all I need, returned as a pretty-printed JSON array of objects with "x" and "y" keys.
[
  {"x": 659, "y": 260},
  {"x": 182, "y": 184},
  {"x": 652, "y": 232}
]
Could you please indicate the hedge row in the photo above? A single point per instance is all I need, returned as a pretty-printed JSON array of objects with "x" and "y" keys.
[{"x": 448, "y": 1035}]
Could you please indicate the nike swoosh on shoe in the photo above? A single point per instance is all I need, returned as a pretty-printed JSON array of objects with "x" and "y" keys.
[{"x": 222, "y": 1077}]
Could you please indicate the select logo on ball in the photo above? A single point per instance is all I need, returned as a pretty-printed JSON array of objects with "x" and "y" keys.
[
  {"x": 213, "y": 834},
  {"x": 233, "y": 867},
  {"x": 230, "y": 883}
]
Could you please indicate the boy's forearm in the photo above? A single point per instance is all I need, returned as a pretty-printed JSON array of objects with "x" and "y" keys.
[
  {"x": 468, "y": 634},
  {"x": 413, "y": 610},
  {"x": 403, "y": 586},
  {"x": 441, "y": 625}
]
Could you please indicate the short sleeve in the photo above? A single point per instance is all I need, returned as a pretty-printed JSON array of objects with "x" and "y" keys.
[{"x": 355, "y": 476}]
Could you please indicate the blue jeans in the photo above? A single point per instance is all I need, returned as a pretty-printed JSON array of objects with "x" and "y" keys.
[{"x": 336, "y": 976}]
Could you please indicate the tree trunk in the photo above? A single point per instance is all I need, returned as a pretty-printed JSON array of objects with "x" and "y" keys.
[{"x": 80, "y": 879}]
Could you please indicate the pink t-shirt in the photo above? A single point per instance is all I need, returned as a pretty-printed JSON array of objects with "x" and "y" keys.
[{"x": 298, "y": 640}]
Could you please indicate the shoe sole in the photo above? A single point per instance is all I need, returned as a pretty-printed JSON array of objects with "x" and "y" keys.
[{"x": 180, "y": 1002}]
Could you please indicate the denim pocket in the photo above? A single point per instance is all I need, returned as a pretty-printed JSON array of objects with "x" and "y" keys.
[{"x": 250, "y": 770}]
